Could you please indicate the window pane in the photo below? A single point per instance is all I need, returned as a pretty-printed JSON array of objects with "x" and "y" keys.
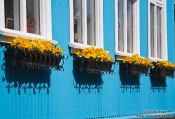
[
  {"x": 91, "y": 40},
  {"x": 130, "y": 13},
  {"x": 120, "y": 25},
  {"x": 152, "y": 30},
  {"x": 12, "y": 14},
  {"x": 159, "y": 32},
  {"x": 78, "y": 21},
  {"x": 33, "y": 16}
]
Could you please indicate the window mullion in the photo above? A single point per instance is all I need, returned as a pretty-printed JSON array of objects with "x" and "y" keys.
[
  {"x": 116, "y": 26},
  {"x": 137, "y": 27},
  {"x": 2, "y": 15},
  {"x": 101, "y": 41},
  {"x": 101, "y": 25},
  {"x": 23, "y": 16},
  {"x": 149, "y": 31},
  {"x": 134, "y": 28},
  {"x": 125, "y": 26},
  {"x": 84, "y": 25},
  {"x": 155, "y": 33},
  {"x": 163, "y": 32},
  {"x": 71, "y": 21},
  {"x": 162, "y": 36},
  {"x": 97, "y": 24},
  {"x": 47, "y": 16}
]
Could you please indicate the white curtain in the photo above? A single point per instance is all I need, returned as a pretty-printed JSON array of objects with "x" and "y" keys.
[
  {"x": 33, "y": 16},
  {"x": 152, "y": 39},
  {"x": 91, "y": 18},
  {"x": 78, "y": 21},
  {"x": 159, "y": 32},
  {"x": 121, "y": 25},
  {"x": 130, "y": 15}
]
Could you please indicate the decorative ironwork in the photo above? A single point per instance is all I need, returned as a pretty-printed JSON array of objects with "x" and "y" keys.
[
  {"x": 33, "y": 59},
  {"x": 163, "y": 72},
  {"x": 92, "y": 66},
  {"x": 133, "y": 69}
]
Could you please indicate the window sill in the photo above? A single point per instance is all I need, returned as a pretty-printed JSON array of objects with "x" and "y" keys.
[
  {"x": 14, "y": 33},
  {"x": 80, "y": 46},
  {"x": 119, "y": 55},
  {"x": 155, "y": 59},
  {"x": 123, "y": 54}
]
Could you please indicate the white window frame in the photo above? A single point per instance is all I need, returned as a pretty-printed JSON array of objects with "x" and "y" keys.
[
  {"x": 45, "y": 21},
  {"x": 162, "y": 4},
  {"x": 99, "y": 26},
  {"x": 136, "y": 39}
]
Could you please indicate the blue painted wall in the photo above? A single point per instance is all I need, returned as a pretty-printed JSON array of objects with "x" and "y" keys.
[{"x": 65, "y": 100}]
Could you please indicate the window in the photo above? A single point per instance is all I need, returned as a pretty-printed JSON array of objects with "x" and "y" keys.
[
  {"x": 26, "y": 18},
  {"x": 127, "y": 27},
  {"x": 86, "y": 23},
  {"x": 157, "y": 29}
]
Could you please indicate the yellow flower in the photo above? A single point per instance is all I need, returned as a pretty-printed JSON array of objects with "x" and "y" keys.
[
  {"x": 94, "y": 53},
  {"x": 135, "y": 59},
  {"x": 164, "y": 64},
  {"x": 39, "y": 45}
]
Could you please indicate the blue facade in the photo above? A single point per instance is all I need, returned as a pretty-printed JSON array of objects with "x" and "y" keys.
[{"x": 71, "y": 98}]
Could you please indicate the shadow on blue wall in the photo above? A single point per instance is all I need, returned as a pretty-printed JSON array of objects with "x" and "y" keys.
[
  {"x": 86, "y": 78},
  {"x": 88, "y": 81},
  {"x": 128, "y": 80},
  {"x": 24, "y": 78},
  {"x": 158, "y": 83}
]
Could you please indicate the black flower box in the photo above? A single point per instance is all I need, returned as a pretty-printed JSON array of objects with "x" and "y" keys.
[
  {"x": 33, "y": 58},
  {"x": 163, "y": 72},
  {"x": 133, "y": 69},
  {"x": 91, "y": 65}
]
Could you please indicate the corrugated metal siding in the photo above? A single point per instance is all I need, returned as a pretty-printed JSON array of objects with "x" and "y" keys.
[{"x": 104, "y": 98}]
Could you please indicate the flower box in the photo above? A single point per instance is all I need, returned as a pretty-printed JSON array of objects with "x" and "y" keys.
[
  {"x": 164, "y": 72},
  {"x": 36, "y": 54},
  {"x": 133, "y": 69},
  {"x": 33, "y": 59},
  {"x": 135, "y": 65},
  {"x": 91, "y": 66},
  {"x": 164, "y": 68},
  {"x": 92, "y": 60}
]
